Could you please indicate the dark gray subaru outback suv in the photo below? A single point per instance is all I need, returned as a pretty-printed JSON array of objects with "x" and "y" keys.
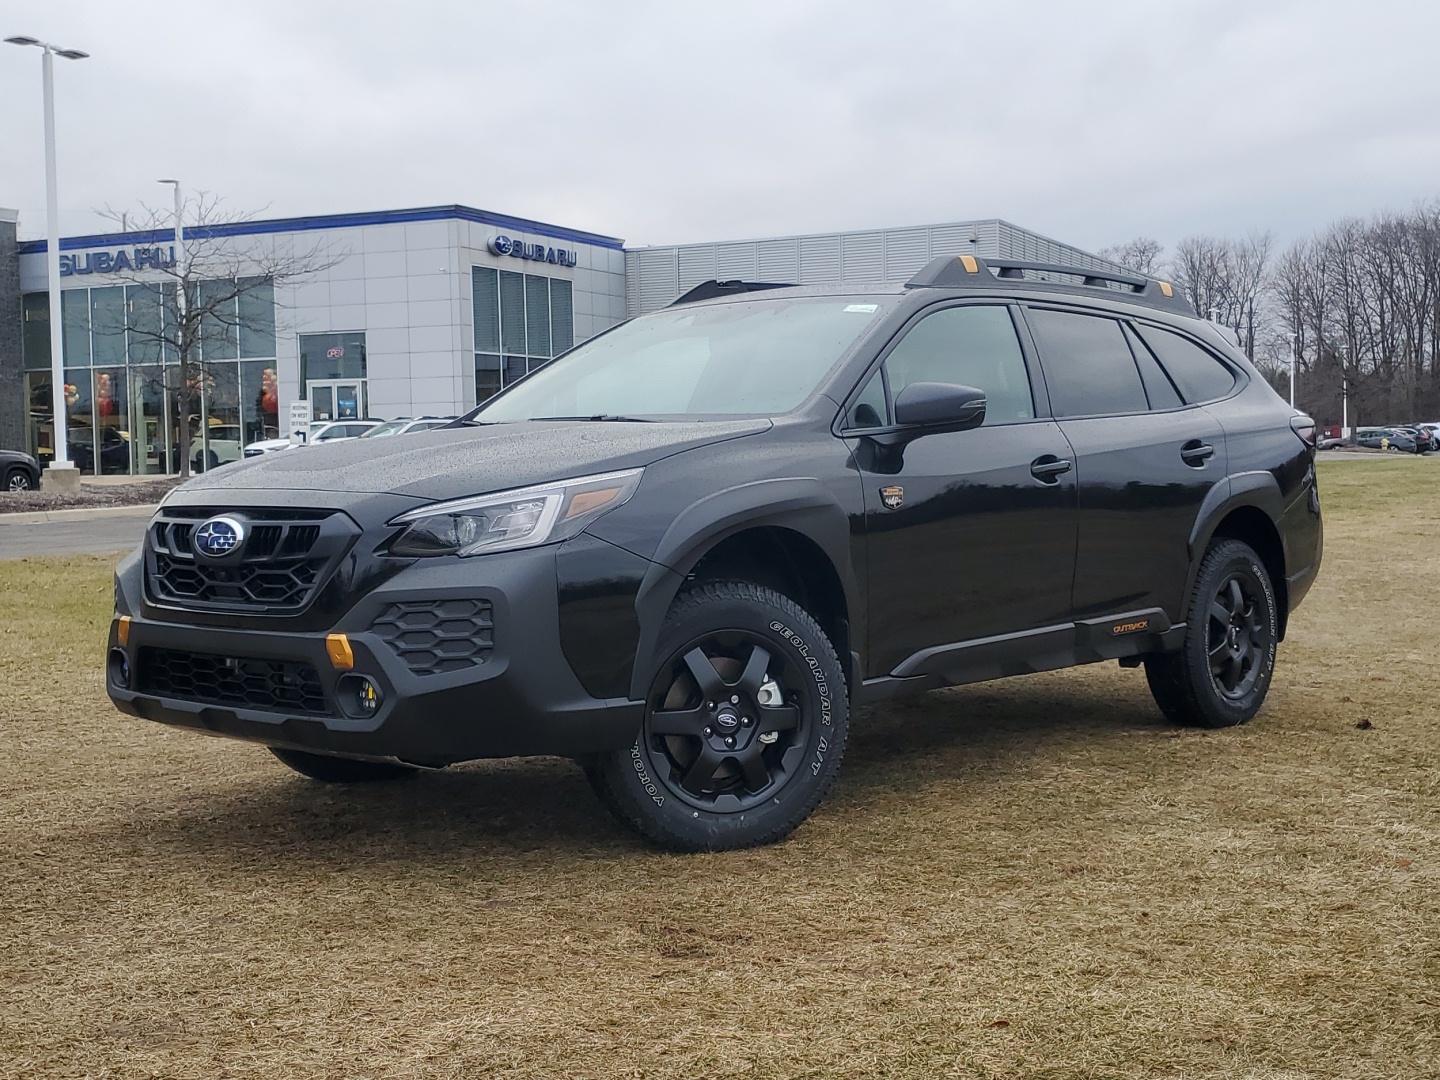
[{"x": 682, "y": 552}]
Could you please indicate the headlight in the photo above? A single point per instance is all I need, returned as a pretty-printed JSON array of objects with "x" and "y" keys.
[{"x": 506, "y": 520}]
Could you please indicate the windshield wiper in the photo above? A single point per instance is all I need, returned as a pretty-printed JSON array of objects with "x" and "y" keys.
[{"x": 600, "y": 418}]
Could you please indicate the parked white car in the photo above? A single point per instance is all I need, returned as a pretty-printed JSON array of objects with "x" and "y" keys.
[
  {"x": 224, "y": 447},
  {"x": 402, "y": 424},
  {"x": 320, "y": 431}
]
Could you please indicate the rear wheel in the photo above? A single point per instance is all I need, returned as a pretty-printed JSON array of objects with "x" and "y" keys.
[
  {"x": 17, "y": 480},
  {"x": 1223, "y": 670},
  {"x": 745, "y": 724},
  {"x": 338, "y": 770}
]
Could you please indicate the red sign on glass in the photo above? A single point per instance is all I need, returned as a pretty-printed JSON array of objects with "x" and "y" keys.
[{"x": 336, "y": 353}]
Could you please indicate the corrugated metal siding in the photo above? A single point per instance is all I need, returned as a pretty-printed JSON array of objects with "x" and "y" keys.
[
  {"x": 736, "y": 262},
  {"x": 906, "y": 250},
  {"x": 862, "y": 257},
  {"x": 656, "y": 276},
  {"x": 779, "y": 260},
  {"x": 819, "y": 260}
]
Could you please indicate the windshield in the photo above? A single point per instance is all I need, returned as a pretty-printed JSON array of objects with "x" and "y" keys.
[
  {"x": 749, "y": 357},
  {"x": 393, "y": 427}
]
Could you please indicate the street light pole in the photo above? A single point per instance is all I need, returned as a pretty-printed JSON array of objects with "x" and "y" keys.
[
  {"x": 61, "y": 458},
  {"x": 1293, "y": 338}
]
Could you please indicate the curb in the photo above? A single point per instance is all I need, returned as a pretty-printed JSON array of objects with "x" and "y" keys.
[{"x": 42, "y": 517}]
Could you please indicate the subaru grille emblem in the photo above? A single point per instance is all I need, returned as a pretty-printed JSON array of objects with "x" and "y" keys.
[{"x": 218, "y": 537}]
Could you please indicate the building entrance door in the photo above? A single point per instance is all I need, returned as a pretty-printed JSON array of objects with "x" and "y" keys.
[{"x": 339, "y": 399}]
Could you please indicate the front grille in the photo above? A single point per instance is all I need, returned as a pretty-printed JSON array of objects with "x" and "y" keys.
[
  {"x": 433, "y": 636},
  {"x": 268, "y": 685},
  {"x": 285, "y": 557}
]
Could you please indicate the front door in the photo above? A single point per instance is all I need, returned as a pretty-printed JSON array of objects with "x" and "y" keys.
[
  {"x": 342, "y": 399},
  {"x": 970, "y": 535}
]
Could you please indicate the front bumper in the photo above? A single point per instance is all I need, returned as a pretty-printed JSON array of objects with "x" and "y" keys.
[{"x": 523, "y": 699}]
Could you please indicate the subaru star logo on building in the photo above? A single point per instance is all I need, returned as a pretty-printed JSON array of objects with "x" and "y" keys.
[{"x": 218, "y": 536}]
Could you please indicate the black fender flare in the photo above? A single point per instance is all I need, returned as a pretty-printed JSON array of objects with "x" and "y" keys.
[
  {"x": 800, "y": 504},
  {"x": 1259, "y": 489}
]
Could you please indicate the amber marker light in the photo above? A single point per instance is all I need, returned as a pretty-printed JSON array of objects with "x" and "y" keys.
[
  {"x": 342, "y": 656},
  {"x": 122, "y": 629},
  {"x": 586, "y": 501}
]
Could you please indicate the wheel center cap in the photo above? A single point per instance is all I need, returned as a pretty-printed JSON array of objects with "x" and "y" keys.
[{"x": 727, "y": 721}]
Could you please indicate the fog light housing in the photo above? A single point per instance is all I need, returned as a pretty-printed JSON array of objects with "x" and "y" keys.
[
  {"x": 117, "y": 669},
  {"x": 360, "y": 695}
]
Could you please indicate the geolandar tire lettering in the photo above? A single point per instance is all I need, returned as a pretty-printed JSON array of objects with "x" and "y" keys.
[{"x": 745, "y": 724}]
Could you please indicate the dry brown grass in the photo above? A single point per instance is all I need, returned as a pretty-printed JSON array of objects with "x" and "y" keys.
[{"x": 1036, "y": 878}]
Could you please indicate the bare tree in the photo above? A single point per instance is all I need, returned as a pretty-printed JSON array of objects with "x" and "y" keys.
[
  {"x": 1143, "y": 255},
  {"x": 229, "y": 283}
]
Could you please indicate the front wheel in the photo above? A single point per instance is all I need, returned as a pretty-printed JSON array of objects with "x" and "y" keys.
[
  {"x": 1222, "y": 672},
  {"x": 17, "y": 480},
  {"x": 338, "y": 770},
  {"x": 745, "y": 724}
]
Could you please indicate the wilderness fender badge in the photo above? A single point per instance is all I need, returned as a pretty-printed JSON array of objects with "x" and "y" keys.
[{"x": 893, "y": 496}]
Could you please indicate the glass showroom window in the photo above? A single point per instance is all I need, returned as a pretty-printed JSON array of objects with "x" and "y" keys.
[
  {"x": 122, "y": 402},
  {"x": 521, "y": 322}
]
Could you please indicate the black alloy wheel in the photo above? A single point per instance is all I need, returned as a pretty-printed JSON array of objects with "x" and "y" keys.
[
  {"x": 18, "y": 480},
  {"x": 744, "y": 727},
  {"x": 1222, "y": 671},
  {"x": 726, "y": 727},
  {"x": 1236, "y": 635}
]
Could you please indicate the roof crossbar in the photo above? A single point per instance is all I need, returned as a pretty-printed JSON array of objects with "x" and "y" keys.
[{"x": 957, "y": 271}]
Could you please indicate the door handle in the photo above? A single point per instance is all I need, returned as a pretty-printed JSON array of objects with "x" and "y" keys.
[
  {"x": 1048, "y": 468},
  {"x": 1196, "y": 453}
]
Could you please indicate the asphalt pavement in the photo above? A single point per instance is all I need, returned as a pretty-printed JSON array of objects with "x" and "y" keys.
[{"x": 97, "y": 535}]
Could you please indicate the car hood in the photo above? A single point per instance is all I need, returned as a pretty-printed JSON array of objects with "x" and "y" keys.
[{"x": 452, "y": 463}]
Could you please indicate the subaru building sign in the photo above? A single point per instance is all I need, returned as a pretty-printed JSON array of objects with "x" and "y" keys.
[
  {"x": 503, "y": 245},
  {"x": 106, "y": 262}
]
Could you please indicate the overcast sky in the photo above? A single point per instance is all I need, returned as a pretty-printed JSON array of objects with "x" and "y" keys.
[{"x": 670, "y": 122}]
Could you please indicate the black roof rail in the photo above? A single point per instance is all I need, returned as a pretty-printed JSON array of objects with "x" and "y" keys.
[
  {"x": 708, "y": 290},
  {"x": 952, "y": 271}
]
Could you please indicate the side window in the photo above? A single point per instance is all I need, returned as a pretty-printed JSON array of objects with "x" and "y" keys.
[
  {"x": 1198, "y": 374},
  {"x": 869, "y": 409},
  {"x": 1158, "y": 387},
  {"x": 972, "y": 346},
  {"x": 1089, "y": 369}
]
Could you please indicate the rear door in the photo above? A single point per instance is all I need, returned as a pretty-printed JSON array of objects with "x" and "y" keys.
[
  {"x": 970, "y": 534},
  {"x": 1145, "y": 460}
]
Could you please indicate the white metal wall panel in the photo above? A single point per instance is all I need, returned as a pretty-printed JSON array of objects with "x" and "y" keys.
[
  {"x": 779, "y": 260},
  {"x": 736, "y": 262},
  {"x": 906, "y": 251},
  {"x": 655, "y": 276},
  {"x": 862, "y": 257},
  {"x": 819, "y": 260},
  {"x": 694, "y": 265}
]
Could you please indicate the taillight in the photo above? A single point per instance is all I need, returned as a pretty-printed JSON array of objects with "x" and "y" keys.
[{"x": 1303, "y": 426}]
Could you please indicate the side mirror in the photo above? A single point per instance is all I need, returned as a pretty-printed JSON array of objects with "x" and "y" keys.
[{"x": 933, "y": 407}]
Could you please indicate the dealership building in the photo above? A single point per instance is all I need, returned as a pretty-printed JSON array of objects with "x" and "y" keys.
[{"x": 396, "y": 313}]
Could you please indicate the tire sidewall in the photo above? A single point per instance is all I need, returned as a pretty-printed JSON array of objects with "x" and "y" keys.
[
  {"x": 635, "y": 774},
  {"x": 1224, "y": 560}
]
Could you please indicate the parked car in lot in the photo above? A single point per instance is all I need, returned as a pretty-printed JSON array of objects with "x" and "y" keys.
[
  {"x": 1386, "y": 439},
  {"x": 18, "y": 471},
  {"x": 114, "y": 450},
  {"x": 683, "y": 551},
  {"x": 403, "y": 425},
  {"x": 223, "y": 447},
  {"x": 1424, "y": 442},
  {"x": 321, "y": 431}
]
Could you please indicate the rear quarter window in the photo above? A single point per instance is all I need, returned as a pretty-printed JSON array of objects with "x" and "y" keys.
[{"x": 1199, "y": 375}]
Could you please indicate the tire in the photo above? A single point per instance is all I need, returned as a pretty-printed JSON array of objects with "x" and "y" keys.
[
  {"x": 774, "y": 689},
  {"x": 1222, "y": 672},
  {"x": 338, "y": 770},
  {"x": 18, "y": 480}
]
